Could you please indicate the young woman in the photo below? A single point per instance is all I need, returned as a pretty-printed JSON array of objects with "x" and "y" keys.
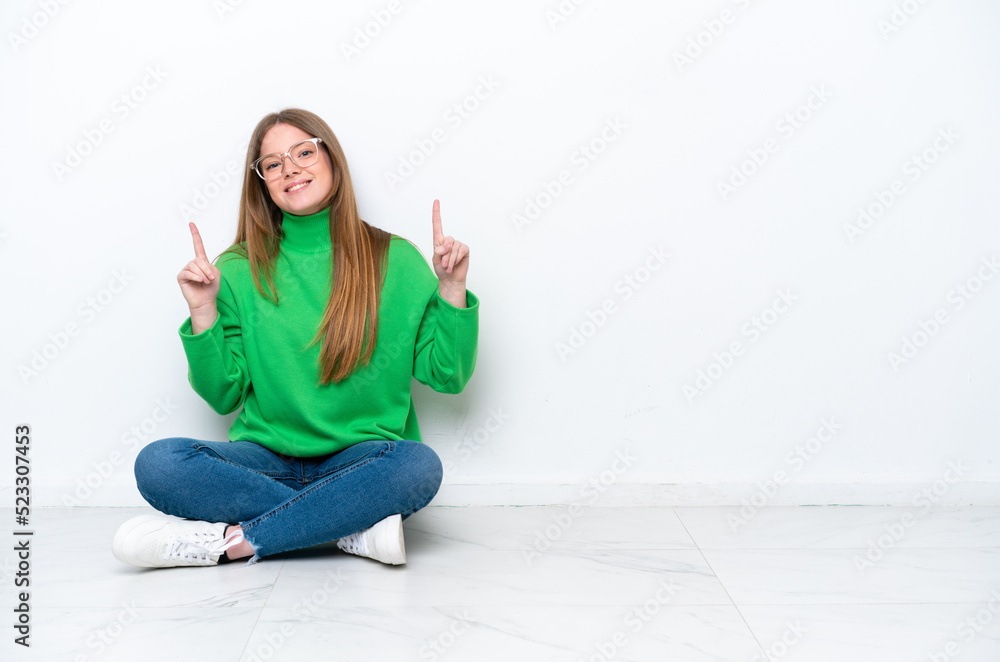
[{"x": 315, "y": 322}]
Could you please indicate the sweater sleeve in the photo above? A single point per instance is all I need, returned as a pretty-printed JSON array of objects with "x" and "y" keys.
[
  {"x": 447, "y": 344},
  {"x": 217, "y": 368}
]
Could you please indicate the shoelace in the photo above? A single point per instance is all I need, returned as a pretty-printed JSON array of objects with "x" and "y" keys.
[{"x": 200, "y": 546}]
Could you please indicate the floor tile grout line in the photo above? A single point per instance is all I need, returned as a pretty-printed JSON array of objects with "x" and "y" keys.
[
  {"x": 719, "y": 579},
  {"x": 263, "y": 606}
]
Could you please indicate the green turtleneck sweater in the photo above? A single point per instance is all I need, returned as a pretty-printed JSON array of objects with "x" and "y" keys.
[{"x": 256, "y": 354}]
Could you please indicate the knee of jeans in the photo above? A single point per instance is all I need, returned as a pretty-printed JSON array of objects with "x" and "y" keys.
[
  {"x": 155, "y": 459},
  {"x": 428, "y": 462},
  {"x": 427, "y": 473}
]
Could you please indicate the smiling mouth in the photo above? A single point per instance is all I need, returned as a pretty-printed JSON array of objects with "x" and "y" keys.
[{"x": 297, "y": 187}]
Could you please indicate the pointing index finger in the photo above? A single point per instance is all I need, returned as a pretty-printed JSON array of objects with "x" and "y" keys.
[
  {"x": 436, "y": 219},
  {"x": 199, "y": 248}
]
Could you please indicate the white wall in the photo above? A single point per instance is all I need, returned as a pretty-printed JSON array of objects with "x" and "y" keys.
[{"x": 880, "y": 98}]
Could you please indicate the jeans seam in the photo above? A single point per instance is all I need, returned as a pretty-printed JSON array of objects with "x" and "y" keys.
[
  {"x": 390, "y": 447},
  {"x": 219, "y": 458},
  {"x": 305, "y": 492}
]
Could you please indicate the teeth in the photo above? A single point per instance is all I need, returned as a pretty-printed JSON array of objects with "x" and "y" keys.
[{"x": 297, "y": 187}]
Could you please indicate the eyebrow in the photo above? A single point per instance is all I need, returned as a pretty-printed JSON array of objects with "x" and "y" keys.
[{"x": 289, "y": 147}]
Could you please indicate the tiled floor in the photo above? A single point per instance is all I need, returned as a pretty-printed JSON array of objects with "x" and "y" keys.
[{"x": 539, "y": 583}]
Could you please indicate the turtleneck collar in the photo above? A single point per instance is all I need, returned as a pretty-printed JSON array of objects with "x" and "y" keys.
[{"x": 306, "y": 234}]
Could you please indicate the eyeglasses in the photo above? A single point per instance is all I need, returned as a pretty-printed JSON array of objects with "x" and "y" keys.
[{"x": 302, "y": 154}]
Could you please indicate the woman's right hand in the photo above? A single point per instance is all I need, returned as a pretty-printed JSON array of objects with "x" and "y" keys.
[{"x": 199, "y": 279}]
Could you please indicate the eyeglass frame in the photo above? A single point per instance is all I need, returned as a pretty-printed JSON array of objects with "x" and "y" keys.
[{"x": 314, "y": 141}]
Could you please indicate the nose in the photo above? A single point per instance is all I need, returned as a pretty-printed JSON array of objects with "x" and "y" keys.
[{"x": 288, "y": 166}]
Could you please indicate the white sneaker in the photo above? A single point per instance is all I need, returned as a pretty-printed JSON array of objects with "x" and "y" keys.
[
  {"x": 163, "y": 541},
  {"x": 382, "y": 541}
]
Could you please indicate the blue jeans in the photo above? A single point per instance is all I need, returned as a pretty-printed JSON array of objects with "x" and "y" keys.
[{"x": 284, "y": 502}]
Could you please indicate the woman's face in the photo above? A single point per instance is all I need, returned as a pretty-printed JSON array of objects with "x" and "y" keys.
[{"x": 295, "y": 189}]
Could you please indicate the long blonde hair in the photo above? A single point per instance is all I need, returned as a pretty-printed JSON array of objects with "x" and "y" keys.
[{"x": 360, "y": 251}]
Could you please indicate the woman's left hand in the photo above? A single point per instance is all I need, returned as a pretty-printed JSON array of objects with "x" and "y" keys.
[{"x": 451, "y": 257}]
